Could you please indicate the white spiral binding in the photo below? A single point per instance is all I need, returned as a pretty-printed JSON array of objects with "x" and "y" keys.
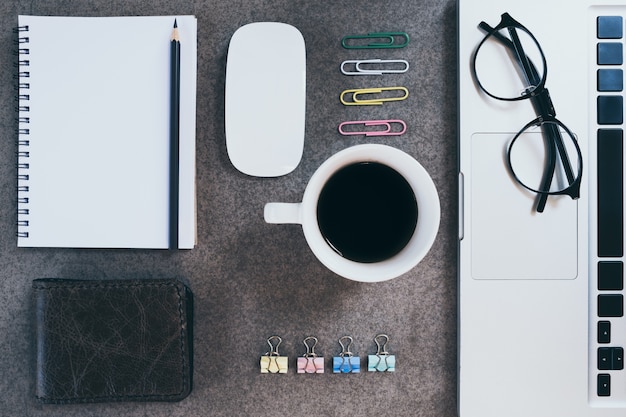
[{"x": 23, "y": 132}]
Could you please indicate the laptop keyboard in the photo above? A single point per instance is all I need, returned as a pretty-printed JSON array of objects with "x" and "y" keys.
[{"x": 607, "y": 374}]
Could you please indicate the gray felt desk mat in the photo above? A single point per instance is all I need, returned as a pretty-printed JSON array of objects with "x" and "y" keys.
[{"x": 252, "y": 280}]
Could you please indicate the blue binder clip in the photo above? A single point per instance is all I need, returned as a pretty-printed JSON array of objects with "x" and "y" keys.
[
  {"x": 382, "y": 361},
  {"x": 346, "y": 362}
]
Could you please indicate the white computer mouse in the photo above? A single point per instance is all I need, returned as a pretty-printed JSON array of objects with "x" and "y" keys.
[{"x": 265, "y": 98}]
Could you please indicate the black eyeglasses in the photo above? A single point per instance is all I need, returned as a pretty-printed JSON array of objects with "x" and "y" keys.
[{"x": 544, "y": 156}]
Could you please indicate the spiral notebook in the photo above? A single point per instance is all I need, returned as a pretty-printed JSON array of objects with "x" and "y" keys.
[{"x": 93, "y": 140}]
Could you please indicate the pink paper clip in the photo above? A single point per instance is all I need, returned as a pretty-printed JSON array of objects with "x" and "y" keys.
[{"x": 387, "y": 124}]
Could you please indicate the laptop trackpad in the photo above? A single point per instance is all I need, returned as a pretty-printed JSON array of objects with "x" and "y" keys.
[{"x": 510, "y": 240}]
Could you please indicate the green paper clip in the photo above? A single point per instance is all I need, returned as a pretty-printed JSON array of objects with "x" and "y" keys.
[{"x": 389, "y": 40}]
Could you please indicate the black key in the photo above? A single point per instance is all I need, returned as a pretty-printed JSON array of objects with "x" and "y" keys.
[
  {"x": 610, "y": 193},
  {"x": 605, "y": 359},
  {"x": 610, "y": 305},
  {"x": 604, "y": 385},
  {"x": 610, "y": 276},
  {"x": 610, "y": 53},
  {"x": 604, "y": 332},
  {"x": 609, "y": 27},
  {"x": 610, "y": 110},
  {"x": 610, "y": 359},
  {"x": 610, "y": 80}
]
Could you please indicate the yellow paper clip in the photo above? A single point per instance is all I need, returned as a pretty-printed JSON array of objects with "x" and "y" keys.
[{"x": 377, "y": 101}]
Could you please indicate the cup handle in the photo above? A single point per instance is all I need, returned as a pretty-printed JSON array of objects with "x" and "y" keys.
[{"x": 282, "y": 213}]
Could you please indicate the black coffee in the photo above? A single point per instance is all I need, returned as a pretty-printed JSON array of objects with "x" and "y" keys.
[{"x": 367, "y": 212}]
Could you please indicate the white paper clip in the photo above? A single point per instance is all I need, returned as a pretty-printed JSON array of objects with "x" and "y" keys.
[{"x": 374, "y": 66}]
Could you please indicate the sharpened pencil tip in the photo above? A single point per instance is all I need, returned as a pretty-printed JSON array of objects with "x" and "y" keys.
[{"x": 175, "y": 36}]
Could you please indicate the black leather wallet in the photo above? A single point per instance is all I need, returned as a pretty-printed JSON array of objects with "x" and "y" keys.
[{"x": 112, "y": 340}]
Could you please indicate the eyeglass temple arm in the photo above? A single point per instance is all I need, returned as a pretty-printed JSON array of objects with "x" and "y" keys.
[
  {"x": 548, "y": 172},
  {"x": 530, "y": 69},
  {"x": 543, "y": 106},
  {"x": 555, "y": 141}
]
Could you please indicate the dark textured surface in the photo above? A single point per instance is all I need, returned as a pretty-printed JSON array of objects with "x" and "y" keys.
[{"x": 250, "y": 279}]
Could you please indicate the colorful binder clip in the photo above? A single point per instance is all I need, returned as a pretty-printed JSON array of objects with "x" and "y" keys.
[
  {"x": 376, "y": 101},
  {"x": 384, "y": 40},
  {"x": 346, "y": 362},
  {"x": 374, "y": 66},
  {"x": 272, "y": 362},
  {"x": 390, "y": 126},
  {"x": 310, "y": 363},
  {"x": 382, "y": 361}
]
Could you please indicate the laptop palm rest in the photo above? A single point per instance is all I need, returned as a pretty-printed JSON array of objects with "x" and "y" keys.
[{"x": 510, "y": 240}]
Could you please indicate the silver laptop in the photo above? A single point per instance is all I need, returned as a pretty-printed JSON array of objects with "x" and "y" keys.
[{"x": 542, "y": 330}]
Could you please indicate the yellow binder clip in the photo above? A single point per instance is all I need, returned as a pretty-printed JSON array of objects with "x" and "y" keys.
[
  {"x": 353, "y": 97},
  {"x": 272, "y": 362}
]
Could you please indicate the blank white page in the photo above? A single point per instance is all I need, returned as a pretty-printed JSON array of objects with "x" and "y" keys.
[{"x": 98, "y": 142}]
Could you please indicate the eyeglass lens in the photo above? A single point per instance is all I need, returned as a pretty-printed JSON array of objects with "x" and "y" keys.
[
  {"x": 509, "y": 64},
  {"x": 533, "y": 155}
]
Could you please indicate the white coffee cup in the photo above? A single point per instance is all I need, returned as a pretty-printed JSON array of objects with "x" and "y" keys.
[{"x": 305, "y": 213}]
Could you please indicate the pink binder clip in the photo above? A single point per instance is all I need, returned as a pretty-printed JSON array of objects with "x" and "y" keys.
[
  {"x": 310, "y": 363},
  {"x": 390, "y": 128}
]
